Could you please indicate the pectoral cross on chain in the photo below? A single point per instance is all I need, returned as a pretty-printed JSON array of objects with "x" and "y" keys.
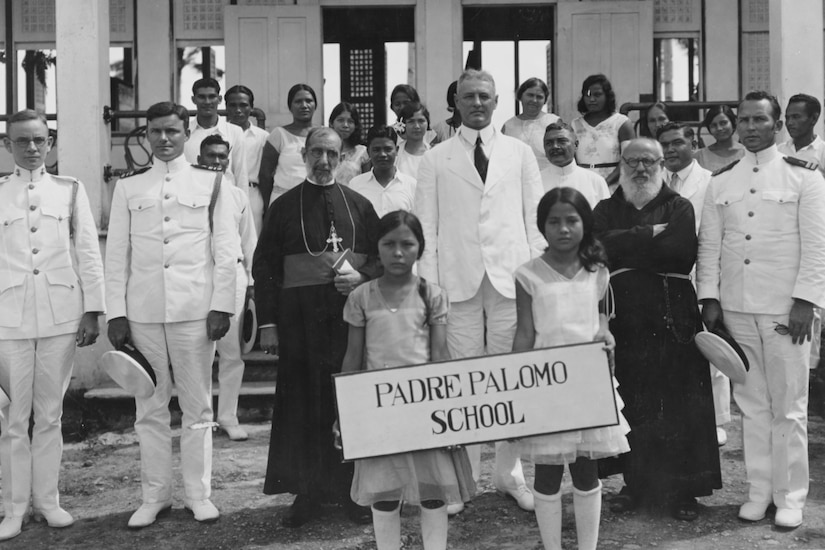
[{"x": 334, "y": 239}]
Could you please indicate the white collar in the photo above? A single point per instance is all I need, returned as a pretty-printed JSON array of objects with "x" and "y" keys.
[
  {"x": 470, "y": 135},
  {"x": 563, "y": 170},
  {"x": 683, "y": 174},
  {"x": 316, "y": 184},
  {"x": 170, "y": 167},
  {"x": 762, "y": 157},
  {"x": 219, "y": 125},
  {"x": 30, "y": 175}
]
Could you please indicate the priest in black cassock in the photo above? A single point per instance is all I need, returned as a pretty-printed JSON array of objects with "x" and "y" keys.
[{"x": 300, "y": 302}]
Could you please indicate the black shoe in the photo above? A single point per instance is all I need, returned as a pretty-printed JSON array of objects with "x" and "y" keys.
[
  {"x": 304, "y": 508},
  {"x": 625, "y": 501},
  {"x": 685, "y": 508},
  {"x": 360, "y": 515}
]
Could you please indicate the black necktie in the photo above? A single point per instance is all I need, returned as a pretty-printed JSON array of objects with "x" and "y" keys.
[{"x": 480, "y": 160}]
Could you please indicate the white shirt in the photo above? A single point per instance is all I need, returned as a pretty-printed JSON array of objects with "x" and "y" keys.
[
  {"x": 762, "y": 238},
  {"x": 468, "y": 136},
  {"x": 588, "y": 183},
  {"x": 254, "y": 139},
  {"x": 246, "y": 236},
  {"x": 692, "y": 184},
  {"x": 232, "y": 134},
  {"x": 398, "y": 194},
  {"x": 814, "y": 151}
]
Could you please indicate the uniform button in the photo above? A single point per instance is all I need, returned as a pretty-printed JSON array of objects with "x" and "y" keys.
[
  {"x": 165, "y": 241},
  {"x": 753, "y": 191},
  {"x": 755, "y": 169},
  {"x": 32, "y": 208},
  {"x": 167, "y": 196},
  {"x": 748, "y": 237},
  {"x": 36, "y": 271},
  {"x": 33, "y": 229},
  {"x": 31, "y": 186},
  {"x": 165, "y": 266},
  {"x": 167, "y": 218},
  {"x": 35, "y": 250},
  {"x": 6, "y": 223},
  {"x": 747, "y": 262},
  {"x": 750, "y": 214},
  {"x": 168, "y": 178}
]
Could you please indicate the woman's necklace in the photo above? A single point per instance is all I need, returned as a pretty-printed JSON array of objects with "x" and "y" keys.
[{"x": 333, "y": 239}]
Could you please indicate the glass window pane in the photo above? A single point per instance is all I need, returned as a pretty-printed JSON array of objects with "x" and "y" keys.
[{"x": 677, "y": 69}]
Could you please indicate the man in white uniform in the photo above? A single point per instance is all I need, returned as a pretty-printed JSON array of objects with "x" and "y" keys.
[
  {"x": 476, "y": 197},
  {"x": 560, "y": 145},
  {"x": 170, "y": 290},
  {"x": 49, "y": 303},
  {"x": 239, "y": 104},
  {"x": 761, "y": 271},
  {"x": 206, "y": 94},
  {"x": 215, "y": 152},
  {"x": 684, "y": 175}
]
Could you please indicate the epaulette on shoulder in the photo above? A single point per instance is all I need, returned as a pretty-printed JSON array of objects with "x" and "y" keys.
[
  {"x": 135, "y": 172},
  {"x": 809, "y": 164},
  {"x": 210, "y": 168},
  {"x": 64, "y": 179},
  {"x": 724, "y": 169}
]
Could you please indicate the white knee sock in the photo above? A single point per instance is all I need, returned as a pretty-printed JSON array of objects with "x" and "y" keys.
[
  {"x": 548, "y": 514},
  {"x": 587, "y": 506},
  {"x": 387, "y": 526},
  {"x": 434, "y": 528}
]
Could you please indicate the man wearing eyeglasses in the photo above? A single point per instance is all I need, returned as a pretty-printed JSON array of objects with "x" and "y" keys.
[
  {"x": 300, "y": 301},
  {"x": 761, "y": 272},
  {"x": 51, "y": 293},
  {"x": 649, "y": 232}
]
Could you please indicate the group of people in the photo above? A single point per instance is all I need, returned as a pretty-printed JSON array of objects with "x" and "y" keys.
[{"x": 459, "y": 241}]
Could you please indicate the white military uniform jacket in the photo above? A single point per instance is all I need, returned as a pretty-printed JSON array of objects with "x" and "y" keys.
[
  {"x": 762, "y": 238},
  {"x": 42, "y": 293},
  {"x": 693, "y": 184},
  {"x": 162, "y": 263},
  {"x": 471, "y": 227}
]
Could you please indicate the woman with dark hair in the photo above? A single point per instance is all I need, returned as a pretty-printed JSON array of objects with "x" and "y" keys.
[
  {"x": 720, "y": 121},
  {"x": 445, "y": 129},
  {"x": 416, "y": 120},
  {"x": 528, "y": 126},
  {"x": 282, "y": 166},
  {"x": 600, "y": 129},
  {"x": 404, "y": 94},
  {"x": 346, "y": 122},
  {"x": 653, "y": 118}
]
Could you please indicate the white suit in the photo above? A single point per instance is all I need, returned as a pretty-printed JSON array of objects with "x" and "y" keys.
[
  {"x": 476, "y": 235},
  {"x": 165, "y": 271},
  {"x": 42, "y": 298},
  {"x": 761, "y": 245}
]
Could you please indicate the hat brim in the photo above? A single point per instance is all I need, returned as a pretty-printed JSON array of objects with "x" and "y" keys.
[
  {"x": 131, "y": 371},
  {"x": 724, "y": 353},
  {"x": 248, "y": 326}
]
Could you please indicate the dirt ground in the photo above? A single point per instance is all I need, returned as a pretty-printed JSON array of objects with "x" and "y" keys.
[{"x": 100, "y": 486}]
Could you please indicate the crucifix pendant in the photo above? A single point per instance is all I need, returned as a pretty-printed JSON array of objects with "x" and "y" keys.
[{"x": 334, "y": 239}]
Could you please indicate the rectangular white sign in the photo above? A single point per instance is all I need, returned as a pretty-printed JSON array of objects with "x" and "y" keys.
[{"x": 468, "y": 401}]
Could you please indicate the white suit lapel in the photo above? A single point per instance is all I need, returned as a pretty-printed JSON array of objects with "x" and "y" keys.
[{"x": 459, "y": 164}]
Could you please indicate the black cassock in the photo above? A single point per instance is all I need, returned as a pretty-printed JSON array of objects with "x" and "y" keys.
[
  {"x": 663, "y": 378},
  {"x": 294, "y": 290}
]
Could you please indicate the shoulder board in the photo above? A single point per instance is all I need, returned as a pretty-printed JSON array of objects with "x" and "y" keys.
[
  {"x": 809, "y": 164},
  {"x": 135, "y": 172},
  {"x": 5, "y": 178},
  {"x": 64, "y": 179},
  {"x": 210, "y": 168},
  {"x": 726, "y": 168}
]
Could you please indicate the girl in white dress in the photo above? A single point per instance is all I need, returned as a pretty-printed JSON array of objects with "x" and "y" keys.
[
  {"x": 400, "y": 319},
  {"x": 346, "y": 122},
  {"x": 411, "y": 149},
  {"x": 558, "y": 298}
]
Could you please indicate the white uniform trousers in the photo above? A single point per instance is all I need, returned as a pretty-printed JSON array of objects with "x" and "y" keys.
[
  {"x": 720, "y": 386},
  {"x": 466, "y": 336},
  {"x": 186, "y": 346},
  {"x": 37, "y": 373},
  {"x": 256, "y": 206},
  {"x": 774, "y": 404},
  {"x": 230, "y": 364}
]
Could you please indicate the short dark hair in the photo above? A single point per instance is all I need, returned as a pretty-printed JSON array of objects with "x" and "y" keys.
[
  {"x": 167, "y": 108},
  {"x": 27, "y": 114},
  {"x": 759, "y": 95},
  {"x": 560, "y": 125},
  {"x": 213, "y": 139},
  {"x": 397, "y": 218},
  {"x": 379, "y": 132},
  {"x": 812, "y": 104},
  {"x": 345, "y": 107},
  {"x": 686, "y": 129},
  {"x": 408, "y": 110},
  {"x": 610, "y": 103},
  {"x": 714, "y": 112},
  {"x": 452, "y": 89},
  {"x": 241, "y": 89},
  {"x": 532, "y": 83},
  {"x": 591, "y": 252},
  {"x": 206, "y": 82},
  {"x": 300, "y": 88},
  {"x": 407, "y": 90}
]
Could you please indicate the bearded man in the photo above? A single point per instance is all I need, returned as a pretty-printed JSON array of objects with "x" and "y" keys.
[{"x": 649, "y": 233}]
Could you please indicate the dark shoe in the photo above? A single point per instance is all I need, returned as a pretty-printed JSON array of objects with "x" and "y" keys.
[
  {"x": 624, "y": 502},
  {"x": 304, "y": 508},
  {"x": 360, "y": 515},
  {"x": 685, "y": 509}
]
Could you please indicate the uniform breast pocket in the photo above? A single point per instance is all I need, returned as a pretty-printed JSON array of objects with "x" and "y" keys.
[
  {"x": 65, "y": 295},
  {"x": 731, "y": 206},
  {"x": 12, "y": 298},
  {"x": 193, "y": 211},
  {"x": 143, "y": 214},
  {"x": 13, "y": 225},
  {"x": 781, "y": 207},
  {"x": 55, "y": 220}
]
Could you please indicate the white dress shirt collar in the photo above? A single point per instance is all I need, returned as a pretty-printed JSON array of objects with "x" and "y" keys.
[
  {"x": 470, "y": 135},
  {"x": 561, "y": 171}
]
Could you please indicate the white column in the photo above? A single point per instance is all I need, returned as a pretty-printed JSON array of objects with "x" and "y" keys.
[
  {"x": 155, "y": 69},
  {"x": 82, "y": 38},
  {"x": 721, "y": 50},
  {"x": 438, "y": 37},
  {"x": 797, "y": 59}
]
